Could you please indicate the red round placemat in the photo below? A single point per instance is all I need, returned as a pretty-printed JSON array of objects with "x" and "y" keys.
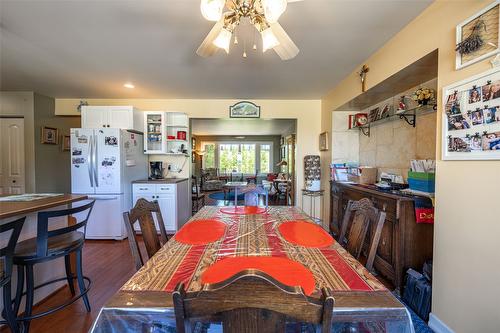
[
  {"x": 286, "y": 271},
  {"x": 201, "y": 232},
  {"x": 305, "y": 234},
  {"x": 243, "y": 210}
]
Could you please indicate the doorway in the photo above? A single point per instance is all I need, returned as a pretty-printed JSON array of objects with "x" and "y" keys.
[
  {"x": 257, "y": 151},
  {"x": 12, "y": 170}
]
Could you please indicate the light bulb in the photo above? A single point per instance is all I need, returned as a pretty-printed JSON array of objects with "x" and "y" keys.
[
  {"x": 254, "y": 46},
  {"x": 273, "y": 9},
  {"x": 212, "y": 9},
  {"x": 269, "y": 40},
  {"x": 235, "y": 40},
  {"x": 244, "y": 54},
  {"x": 223, "y": 39}
]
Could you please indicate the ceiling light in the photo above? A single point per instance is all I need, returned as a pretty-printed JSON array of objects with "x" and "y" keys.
[
  {"x": 269, "y": 40},
  {"x": 273, "y": 9},
  {"x": 212, "y": 9},
  {"x": 129, "y": 85},
  {"x": 223, "y": 39}
]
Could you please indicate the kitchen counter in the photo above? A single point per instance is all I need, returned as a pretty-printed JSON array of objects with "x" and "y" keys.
[
  {"x": 16, "y": 208},
  {"x": 160, "y": 181}
]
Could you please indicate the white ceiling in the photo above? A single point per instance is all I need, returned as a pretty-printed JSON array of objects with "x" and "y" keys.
[
  {"x": 90, "y": 48},
  {"x": 242, "y": 127}
]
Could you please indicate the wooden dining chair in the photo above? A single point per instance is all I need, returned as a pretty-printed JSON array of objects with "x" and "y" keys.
[
  {"x": 143, "y": 213},
  {"x": 197, "y": 198},
  {"x": 358, "y": 217},
  {"x": 251, "y": 302}
]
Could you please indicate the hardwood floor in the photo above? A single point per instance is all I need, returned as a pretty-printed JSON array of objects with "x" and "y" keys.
[{"x": 109, "y": 265}]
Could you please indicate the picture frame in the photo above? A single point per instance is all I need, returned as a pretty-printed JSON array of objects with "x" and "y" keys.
[
  {"x": 491, "y": 46},
  {"x": 49, "y": 135},
  {"x": 244, "y": 109},
  {"x": 323, "y": 141},
  {"x": 65, "y": 142},
  {"x": 471, "y": 128}
]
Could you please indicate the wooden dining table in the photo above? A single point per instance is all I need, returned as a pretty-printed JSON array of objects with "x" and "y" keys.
[{"x": 144, "y": 303}]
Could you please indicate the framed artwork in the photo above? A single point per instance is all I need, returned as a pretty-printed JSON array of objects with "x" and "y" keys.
[
  {"x": 323, "y": 141},
  {"x": 483, "y": 26},
  {"x": 471, "y": 118},
  {"x": 244, "y": 109},
  {"x": 65, "y": 142},
  {"x": 49, "y": 135}
]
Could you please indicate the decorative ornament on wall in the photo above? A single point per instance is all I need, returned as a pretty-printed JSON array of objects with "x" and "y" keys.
[
  {"x": 478, "y": 36},
  {"x": 362, "y": 75},
  {"x": 244, "y": 109},
  {"x": 312, "y": 172}
]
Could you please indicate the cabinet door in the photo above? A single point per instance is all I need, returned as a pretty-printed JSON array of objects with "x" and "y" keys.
[
  {"x": 168, "y": 210},
  {"x": 155, "y": 133},
  {"x": 94, "y": 117},
  {"x": 121, "y": 117}
]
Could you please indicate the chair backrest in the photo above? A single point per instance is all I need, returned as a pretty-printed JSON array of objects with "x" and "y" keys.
[
  {"x": 143, "y": 213},
  {"x": 195, "y": 186},
  {"x": 251, "y": 302},
  {"x": 7, "y": 251},
  {"x": 362, "y": 213},
  {"x": 79, "y": 216}
]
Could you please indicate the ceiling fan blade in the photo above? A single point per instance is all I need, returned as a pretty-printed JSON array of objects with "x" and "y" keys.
[
  {"x": 207, "y": 48},
  {"x": 286, "y": 49},
  {"x": 289, "y": 1}
]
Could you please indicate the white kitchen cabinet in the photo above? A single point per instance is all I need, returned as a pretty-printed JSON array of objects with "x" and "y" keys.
[
  {"x": 124, "y": 117},
  {"x": 166, "y": 133},
  {"x": 173, "y": 199}
]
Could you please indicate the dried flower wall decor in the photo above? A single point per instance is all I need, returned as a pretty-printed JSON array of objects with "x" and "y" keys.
[{"x": 478, "y": 37}]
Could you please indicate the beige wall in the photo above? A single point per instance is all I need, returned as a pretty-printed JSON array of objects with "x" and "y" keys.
[
  {"x": 21, "y": 104},
  {"x": 466, "y": 285},
  {"x": 307, "y": 113}
]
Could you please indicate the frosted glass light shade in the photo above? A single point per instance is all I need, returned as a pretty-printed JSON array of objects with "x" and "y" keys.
[
  {"x": 273, "y": 9},
  {"x": 223, "y": 39},
  {"x": 212, "y": 9},
  {"x": 269, "y": 40}
]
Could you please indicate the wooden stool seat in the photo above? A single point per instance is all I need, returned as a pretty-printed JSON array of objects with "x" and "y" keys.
[{"x": 57, "y": 246}]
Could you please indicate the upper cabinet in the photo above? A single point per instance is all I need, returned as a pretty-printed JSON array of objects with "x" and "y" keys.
[
  {"x": 124, "y": 117},
  {"x": 166, "y": 133}
]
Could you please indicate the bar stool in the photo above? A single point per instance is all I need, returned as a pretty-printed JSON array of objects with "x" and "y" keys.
[
  {"x": 49, "y": 245},
  {"x": 6, "y": 254}
]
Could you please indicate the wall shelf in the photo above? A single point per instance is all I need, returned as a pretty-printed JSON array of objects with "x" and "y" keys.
[{"x": 409, "y": 116}]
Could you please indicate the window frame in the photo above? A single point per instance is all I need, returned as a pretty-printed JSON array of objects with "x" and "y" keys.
[{"x": 257, "y": 152}]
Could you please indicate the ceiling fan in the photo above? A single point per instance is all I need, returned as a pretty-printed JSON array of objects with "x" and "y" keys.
[{"x": 262, "y": 14}]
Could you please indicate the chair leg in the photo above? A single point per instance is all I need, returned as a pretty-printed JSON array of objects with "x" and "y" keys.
[
  {"x": 7, "y": 309},
  {"x": 69, "y": 274},
  {"x": 19, "y": 288},
  {"x": 81, "y": 283},
  {"x": 30, "y": 294}
]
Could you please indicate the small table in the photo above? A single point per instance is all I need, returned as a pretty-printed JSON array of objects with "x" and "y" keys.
[
  {"x": 312, "y": 207},
  {"x": 235, "y": 185}
]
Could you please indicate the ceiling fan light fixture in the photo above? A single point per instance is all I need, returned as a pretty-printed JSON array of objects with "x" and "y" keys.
[
  {"x": 212, "y": 9},
  {"x": 273, "y": 9},
  {"x": 269, "y": 40},
  {"x": 223, "y": 39}
]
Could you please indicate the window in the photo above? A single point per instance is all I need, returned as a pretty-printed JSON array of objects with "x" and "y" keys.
[
  {"x": 237, "y": 158},
  {"x": 265, "y": 158},
  {"x": 209, "y": 157},
  {"x": 244, "y": 157}
]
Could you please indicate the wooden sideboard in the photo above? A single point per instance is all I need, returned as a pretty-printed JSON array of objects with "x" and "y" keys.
[{"x": 403, "y": 244}]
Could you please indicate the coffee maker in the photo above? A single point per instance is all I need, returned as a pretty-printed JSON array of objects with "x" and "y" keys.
[{"x": 156, "y": 170}]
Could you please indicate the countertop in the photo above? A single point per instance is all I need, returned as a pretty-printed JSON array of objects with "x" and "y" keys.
[
  {"x": 161, "y": 181},
  {"x": 16, "y": 208}
]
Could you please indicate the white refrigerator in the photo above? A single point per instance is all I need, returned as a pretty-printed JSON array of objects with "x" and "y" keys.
[{"x": 104, "y": 162}]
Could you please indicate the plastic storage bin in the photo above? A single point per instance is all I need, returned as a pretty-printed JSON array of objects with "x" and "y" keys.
[{"x": 422, "y": 181}]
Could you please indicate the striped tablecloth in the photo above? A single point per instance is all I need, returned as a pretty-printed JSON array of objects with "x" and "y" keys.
[
  {"x": 250, "y": 235},
  {"x": 359, "y": 296}
]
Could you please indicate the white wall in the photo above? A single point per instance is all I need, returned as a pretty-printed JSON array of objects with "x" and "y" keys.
[{"x": 345, "y": 141}]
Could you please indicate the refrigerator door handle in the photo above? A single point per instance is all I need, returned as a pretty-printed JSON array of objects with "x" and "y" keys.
[
  {"x": 90, "y": 163},
  {"x": 96, "y": 167}
]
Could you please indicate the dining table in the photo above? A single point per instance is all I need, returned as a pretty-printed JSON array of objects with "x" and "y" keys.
[{"x": 144, "y": 302}]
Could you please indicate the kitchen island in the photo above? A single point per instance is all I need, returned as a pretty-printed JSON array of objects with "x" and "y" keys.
[{"x": 12, "y": 210}]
